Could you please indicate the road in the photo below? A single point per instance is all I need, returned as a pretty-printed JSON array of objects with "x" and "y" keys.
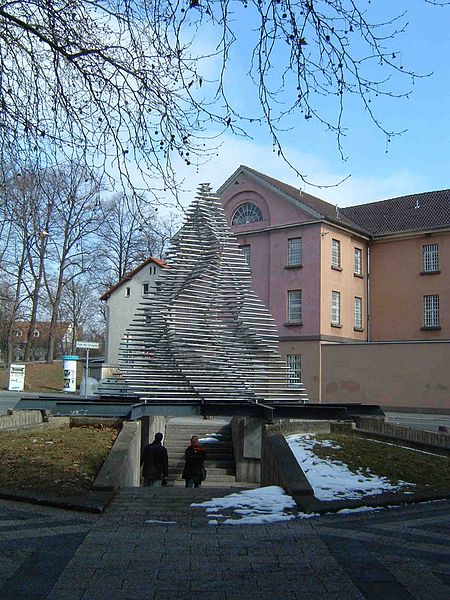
[{"x": 429, "y": 422}]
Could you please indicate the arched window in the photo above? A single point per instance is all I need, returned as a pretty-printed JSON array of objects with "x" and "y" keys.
[
  {"x": 36, "y": 333},
  {"x": 247, "y": 213}
]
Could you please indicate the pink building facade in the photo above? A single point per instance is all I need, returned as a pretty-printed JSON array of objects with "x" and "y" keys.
[{"x": 340, "y": 276}]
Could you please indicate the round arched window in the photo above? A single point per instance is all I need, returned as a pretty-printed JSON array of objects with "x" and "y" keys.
[{"x": 247, "y": 213}]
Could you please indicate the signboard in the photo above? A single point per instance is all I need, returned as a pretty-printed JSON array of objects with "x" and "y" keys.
[
  {"x": 16, "y": 377},
  {"x": 88, "y": 345}
]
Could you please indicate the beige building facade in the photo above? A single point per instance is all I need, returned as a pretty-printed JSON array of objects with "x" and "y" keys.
[{"x": 338, "y": 280}]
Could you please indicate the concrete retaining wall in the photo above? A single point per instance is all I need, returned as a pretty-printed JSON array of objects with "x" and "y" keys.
[
  {"x": 122, "y": 466},
  {"x": 248, "y": 468},
  {"x": 20, "y": 419},
  {"x": 280, "y": 467},
  {"x": 408, "y": 434}
]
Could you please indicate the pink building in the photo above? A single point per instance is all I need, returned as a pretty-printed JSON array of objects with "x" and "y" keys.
[{"x": 310, "y": 265}]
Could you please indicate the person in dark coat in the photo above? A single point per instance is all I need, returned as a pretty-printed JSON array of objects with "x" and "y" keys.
[
  {"x": 156, "y": 462},
  {"x": 194, "y": 456}
]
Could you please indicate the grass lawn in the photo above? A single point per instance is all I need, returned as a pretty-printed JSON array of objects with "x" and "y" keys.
[
  {"x": 42, "y": 377},
  {"x": 428, "y": 472},
  {"x": 58, "y": 461}
]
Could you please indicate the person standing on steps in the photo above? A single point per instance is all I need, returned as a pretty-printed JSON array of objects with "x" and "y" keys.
[
  {"x": 155, "y": 462},
  {"x": 194, "y": 455}
]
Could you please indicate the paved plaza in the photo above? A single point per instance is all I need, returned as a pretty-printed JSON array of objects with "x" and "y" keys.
[{"x": 52, "y": 554}]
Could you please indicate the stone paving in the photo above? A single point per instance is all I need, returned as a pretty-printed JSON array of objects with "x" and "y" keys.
[{"x": 400, "y": 553}]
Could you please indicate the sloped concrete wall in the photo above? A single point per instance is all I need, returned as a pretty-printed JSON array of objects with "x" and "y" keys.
[{"x": 122, "y": 467}]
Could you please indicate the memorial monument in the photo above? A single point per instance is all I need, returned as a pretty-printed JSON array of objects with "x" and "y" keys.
[{"x": 203, "y": 334}]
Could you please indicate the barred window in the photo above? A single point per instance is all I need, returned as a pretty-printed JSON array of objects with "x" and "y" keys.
[
  {"x": 336, "y": 308},
  {"x": 247, "y": 213},
  {"x": 294, "y": 368},
  {"x": 431, "y": 311},
  {"x": 430, "y": 258},
  {"x": 295, "y": 251},
  {"x": 247, "y": 254},
  {"x": 358, "y": 313},
  {"x": 358, "y": 262},
  {"x": 335, "y": 253},
  {"x": 294, "y": 306}
]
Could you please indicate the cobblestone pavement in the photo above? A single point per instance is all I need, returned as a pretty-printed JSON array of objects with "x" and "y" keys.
[{"x": 400, "y": 553}]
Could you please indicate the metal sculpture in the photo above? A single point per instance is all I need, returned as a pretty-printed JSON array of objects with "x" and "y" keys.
[{"x": 203, "y": 334}]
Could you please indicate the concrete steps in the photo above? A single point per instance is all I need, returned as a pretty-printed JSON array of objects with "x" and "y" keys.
[{"x": 215, "y": 437}]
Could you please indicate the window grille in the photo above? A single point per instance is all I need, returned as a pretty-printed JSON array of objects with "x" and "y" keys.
[
  {"x": 294, "y": 306},
  {"x": 358, "y": 262},
  {"x": 430, "y": 258},
  {"x": 294, "y": 368},
  {"x": 295, "y": 251},
  {"x": 247, "y": 213},
  {"x": 247, "y": 254},
  {"x": 358, "y": 313},
  {"x": 336, "y": 308},
  {"x": 431, "y": 311},
  {"x": 335, "y": 253}
]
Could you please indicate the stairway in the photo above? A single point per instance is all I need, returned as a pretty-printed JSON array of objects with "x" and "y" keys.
[{"x": 215, "y": 437}]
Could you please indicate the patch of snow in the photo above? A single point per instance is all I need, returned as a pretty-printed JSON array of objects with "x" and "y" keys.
[
  {"x": 160, "y": 522},
  {"x": 347, "y": 511},
  {"x": 253, "y": 507},
  {"x": 332, "y": 479}
]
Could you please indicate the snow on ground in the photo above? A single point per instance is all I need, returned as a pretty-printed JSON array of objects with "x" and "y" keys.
[
  {"x": 251, "y": 507},
  {"x": 331, "y": 479}
]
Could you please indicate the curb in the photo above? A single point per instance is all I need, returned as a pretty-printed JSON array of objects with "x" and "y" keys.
[
  {"x": 93, "y": 502},
  {"x": 310, "y": 504}
]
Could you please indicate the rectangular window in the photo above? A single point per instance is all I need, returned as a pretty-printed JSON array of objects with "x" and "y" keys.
[
  {"x": 145, "y": 288},
  {"x": 358, "y": 262},
  {"x": 247, "y": 254},
  {"x": 430, "y": 258},
  {"x": 358, "y": 313},
  {"x": 294, "y": 306},
  {"x": 335, "y": 253},
  {"x": 295, "y": 252},
  {"x": 336, "y": 308},
  {"x": 294, "y": 369},
  {"x": 127, "y": 292},
  {"x": 431, "y": 311}
]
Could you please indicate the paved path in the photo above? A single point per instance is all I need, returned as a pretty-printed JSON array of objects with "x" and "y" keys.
[{"x": 397, "y": 554}]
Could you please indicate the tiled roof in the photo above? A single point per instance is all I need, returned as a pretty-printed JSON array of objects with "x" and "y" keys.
[
  {"x": 329, "y": 211},
  {"x": 130, "y": 275},
  {"x": 428, "y": 210}
]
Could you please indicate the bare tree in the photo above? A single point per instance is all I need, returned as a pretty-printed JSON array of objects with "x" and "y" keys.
[
  {"x": 126, "y": 82},
  {"x": 128, "y": 235},
  {"x": 76, "y": 218},
  {"x": 79, "y": 307}
]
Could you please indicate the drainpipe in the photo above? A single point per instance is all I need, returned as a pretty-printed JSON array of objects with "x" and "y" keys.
[{"x": 368, "y": 316}]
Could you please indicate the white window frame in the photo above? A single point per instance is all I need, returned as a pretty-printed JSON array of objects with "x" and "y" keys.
[
  {"x": 247, "y": 251},
  {"x": 335, "y": 307},
  {"x": 145, "y": 288},
  {"x": 294, "y": 370},
  {"x": 294, "y": 306},
  {"x": 357, "y": 313},
  {"x": 357, "y": 266},
  {"x": 431, "y": 311},
  {"x": 430, "y": 256},
  {"x": 246, "y": 213},
  {"x": 335, "y": 253},
  {"x": 295, "y": 252},
  {"x": 127, "y": 292}
]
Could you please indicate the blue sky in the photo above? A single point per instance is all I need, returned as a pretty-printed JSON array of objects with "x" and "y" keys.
[{"x": 418, "y": 160}]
